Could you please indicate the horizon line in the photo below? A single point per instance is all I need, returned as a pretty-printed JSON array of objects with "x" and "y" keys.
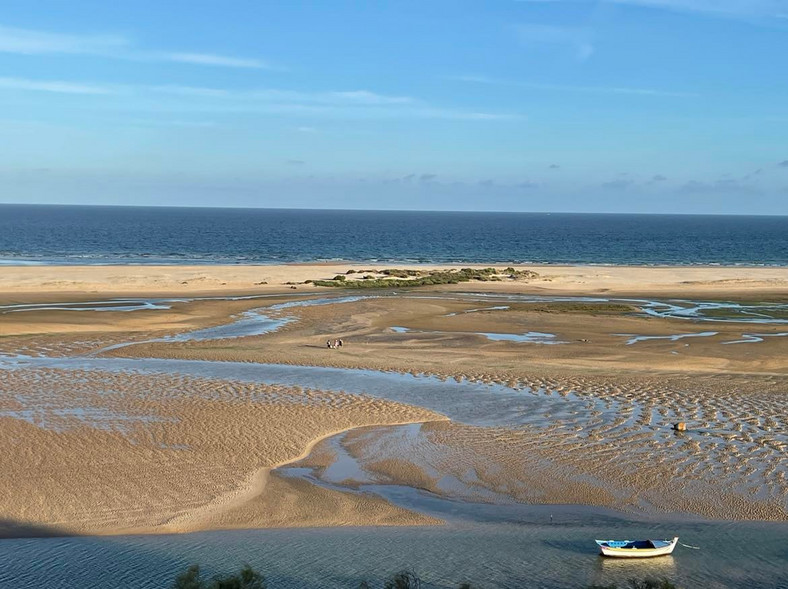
[{"x": 251, "y": 208}]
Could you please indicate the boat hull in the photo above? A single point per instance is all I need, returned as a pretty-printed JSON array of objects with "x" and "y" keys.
[{"x": 627, "y": 549}]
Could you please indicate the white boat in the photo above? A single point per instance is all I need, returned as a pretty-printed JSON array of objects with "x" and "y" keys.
[{"x": 637, "y": 548}]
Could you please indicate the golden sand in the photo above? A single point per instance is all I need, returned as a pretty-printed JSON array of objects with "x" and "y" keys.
[
  {"x": 40, "y": 282},
  {"x": 96, "y": 452},
  {"x": 93, "y": 452}
]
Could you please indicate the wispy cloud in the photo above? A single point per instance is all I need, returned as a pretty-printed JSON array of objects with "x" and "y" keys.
[
  {"x": 618, "y": 184},
  {"x": 729, "y": 8},
  {"x": 348, "y": 97},
  {"x": 191, "y": 91},
  {"x": 656, "y": 179},
  {"x": 721, "y": 186},
  {"x": 576, "y": 39},
  {"x": 783, "y": 164},
  {"x": 361, "y": 103},
  {"x": 337, "y": 104},
  {"x": 34, "y": 42},
  {"x": 31, "y": 42},
  {"x": 718, "y": 7},
  {"x": 174, "y": 123},
  {"x": 54, "y": 86},
  {"x": 216, "y": 60},
  {"x": 365, "y": 97},
  {"x": 570, "y": 88}
]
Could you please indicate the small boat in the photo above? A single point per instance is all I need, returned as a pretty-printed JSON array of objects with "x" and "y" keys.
[{"x": 637, "y": 548}]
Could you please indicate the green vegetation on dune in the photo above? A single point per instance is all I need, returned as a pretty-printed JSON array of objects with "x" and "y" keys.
[
  {"x": 572, "y": 307},
  {"x": 404, "y": 278}
]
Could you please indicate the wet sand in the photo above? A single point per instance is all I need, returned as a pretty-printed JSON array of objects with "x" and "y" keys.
[
  {"x": 112, "y": 453},
  {"x": 95, "y": 453}
]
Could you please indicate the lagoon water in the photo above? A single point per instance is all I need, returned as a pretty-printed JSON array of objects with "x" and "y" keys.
[
  {"x": 117, "y": 235},
  {"x": 560, "y": 555}
]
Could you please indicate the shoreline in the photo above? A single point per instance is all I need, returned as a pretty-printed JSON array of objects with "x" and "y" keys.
[
  {"x": 6, "y": 263},
  {"x": 53, "y": 263},
  {"x": 35, "y": 283}
]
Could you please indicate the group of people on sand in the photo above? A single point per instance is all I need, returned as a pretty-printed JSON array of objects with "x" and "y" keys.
[{"x": 333, "y": 344}]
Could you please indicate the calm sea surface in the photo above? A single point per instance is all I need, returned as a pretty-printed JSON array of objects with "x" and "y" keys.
[
  {"x": 117, "y": 235},
  {"x": 561, "y": 555}
]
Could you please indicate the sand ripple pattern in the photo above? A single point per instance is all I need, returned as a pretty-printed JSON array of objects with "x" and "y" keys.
[
  {"x": 106, "y": 452},
  {"x": 604, "y": 445}
]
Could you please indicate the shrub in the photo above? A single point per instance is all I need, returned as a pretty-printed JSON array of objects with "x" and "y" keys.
[
  {"x": 651, "y": 584},
  {"x": 404, "y": 580},
  {"x": 396, "y": 273},
  {"x": 640, "y": 584},
  {"x": 189, "y": 579},
  {"x": 248, "y": 578}
]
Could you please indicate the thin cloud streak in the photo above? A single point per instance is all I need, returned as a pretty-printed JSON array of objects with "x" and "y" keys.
[
  {"x": 348, "y": 97},
  {"x": 216, "y": 60},
  {"x": 349, "y": 103},
  {"x": 744, "y": 8},
  {"x": 727, "y": 8},
  {"x": 56, "y": 86},
  {"x": 569, "y": 88},
  {"x": 32, "y": 42}
]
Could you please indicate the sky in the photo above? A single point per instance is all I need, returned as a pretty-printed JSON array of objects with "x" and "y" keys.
[{"x": 663, "y": 106}]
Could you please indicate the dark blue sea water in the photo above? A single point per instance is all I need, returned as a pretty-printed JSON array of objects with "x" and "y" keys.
[{"x": 115, "y": 235}]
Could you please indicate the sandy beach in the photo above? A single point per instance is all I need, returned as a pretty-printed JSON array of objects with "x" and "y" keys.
[
  {"x": 25, "y": 283},
  {"x": 100, "y": 452}
]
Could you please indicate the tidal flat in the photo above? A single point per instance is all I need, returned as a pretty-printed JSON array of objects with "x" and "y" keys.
[{"x": 128, "y": 414}]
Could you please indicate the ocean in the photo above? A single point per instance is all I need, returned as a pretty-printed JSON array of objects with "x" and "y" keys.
[{"x": 53, "y": 234}]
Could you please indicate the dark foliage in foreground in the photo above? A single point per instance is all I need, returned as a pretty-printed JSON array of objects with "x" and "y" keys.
[
  {"x": 248, "y": 578},
  {"x": 636, "y": 584}
]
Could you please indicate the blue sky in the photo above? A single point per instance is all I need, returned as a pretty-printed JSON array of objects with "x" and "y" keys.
[{"x": 530, "y": 105}]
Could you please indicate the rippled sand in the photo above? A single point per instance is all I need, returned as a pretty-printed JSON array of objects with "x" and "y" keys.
[
  {"x": 96, "y": 452},
  {"x": 619, "y": 450}
]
